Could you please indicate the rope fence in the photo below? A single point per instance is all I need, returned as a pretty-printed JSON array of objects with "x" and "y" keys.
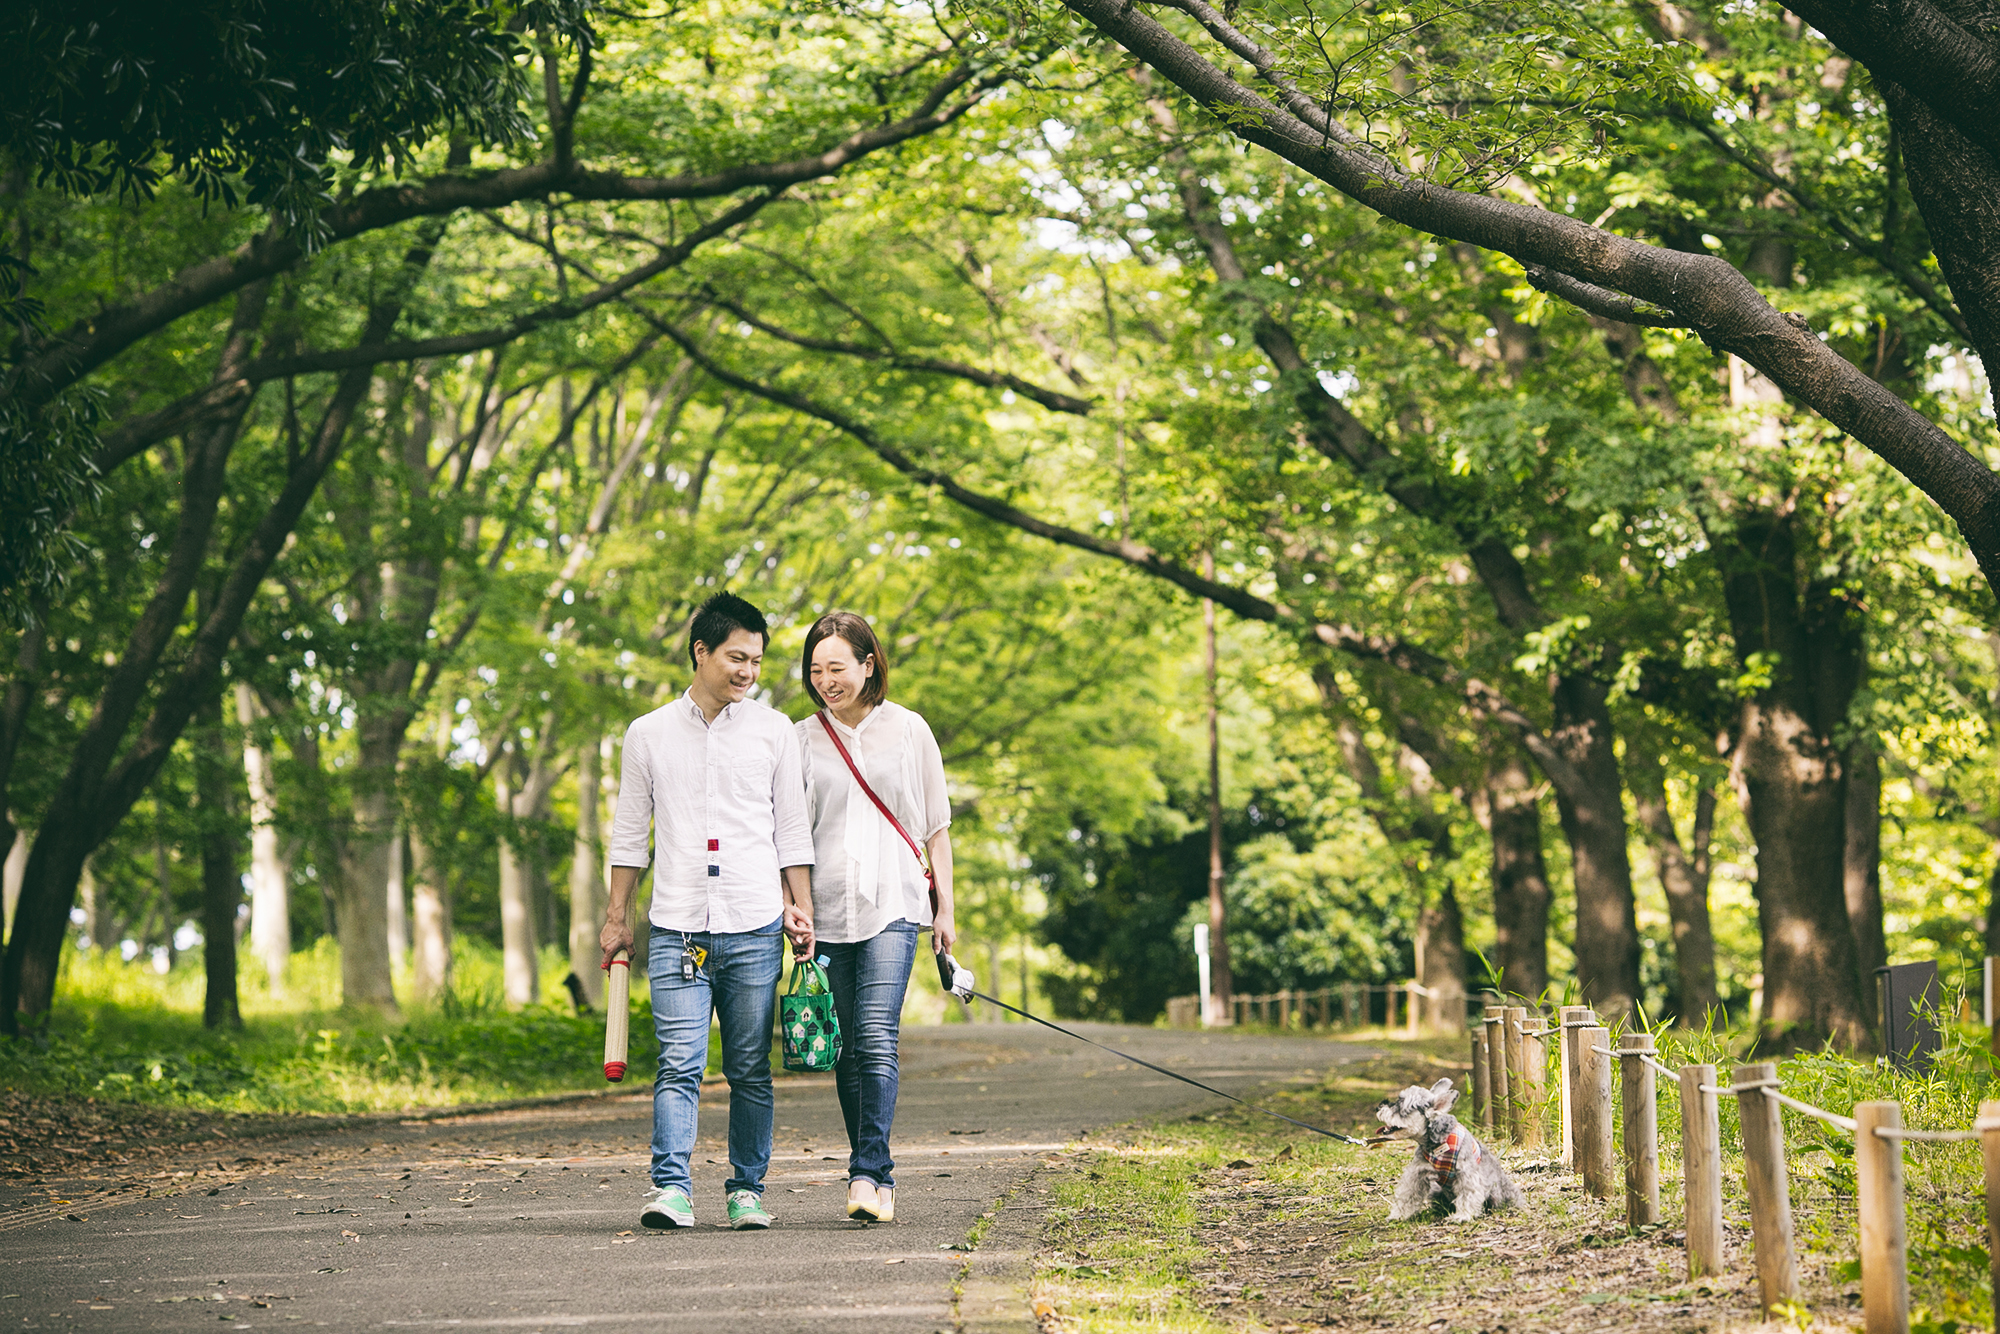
[{"x": 1508, "y": 1101}]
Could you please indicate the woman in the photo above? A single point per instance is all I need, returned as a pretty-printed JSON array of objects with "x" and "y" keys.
[{"x": 871, "y": 896}]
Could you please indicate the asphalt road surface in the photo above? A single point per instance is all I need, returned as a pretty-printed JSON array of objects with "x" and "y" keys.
[{"x": 528, "y": 1220}]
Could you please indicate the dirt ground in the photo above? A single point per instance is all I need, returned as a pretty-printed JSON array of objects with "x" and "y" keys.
[{"x": 1292, "y": 1234}]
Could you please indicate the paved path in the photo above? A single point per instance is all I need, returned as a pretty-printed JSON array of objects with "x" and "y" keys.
[{"x": 527, "y": 1220}]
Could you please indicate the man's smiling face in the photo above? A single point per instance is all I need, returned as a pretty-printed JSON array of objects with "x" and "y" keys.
[{"x": 728, "y": 672}]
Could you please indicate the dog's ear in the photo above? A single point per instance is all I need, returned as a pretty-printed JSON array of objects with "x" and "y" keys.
[{"x": 1443, "y": 1095}]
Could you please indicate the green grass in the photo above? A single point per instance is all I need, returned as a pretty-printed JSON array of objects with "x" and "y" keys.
[
  {"x": 1121, "y": 1240},
  {"x": 1155, "y": 1233},
  {"x": 122, "y": 1032}
]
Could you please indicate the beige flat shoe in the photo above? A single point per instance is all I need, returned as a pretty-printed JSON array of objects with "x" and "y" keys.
[
  {"x": 885, "y": 1204},
  {"x": 862, "y": 1202}
]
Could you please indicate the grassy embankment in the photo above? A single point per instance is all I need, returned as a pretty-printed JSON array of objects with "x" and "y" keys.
[
  {"x": 124, "y": 1033},
  {"x": 1228, "y": 1220}
]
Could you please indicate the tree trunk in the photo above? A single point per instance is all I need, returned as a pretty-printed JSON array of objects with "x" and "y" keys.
[
  {"x": 361, "y": 899},
  {"x": 270, "y": 870},
  {"x": 1685, "y": 884},
  {"x": 100, "y": 786},
  {"x": 520, "y": 982},
  {"x": 1409, "y": 825},
  {"x": 396, "y": 903},
  {"x": 430, "y": 962},
  {"x": 221, "y": 883},
  {"x": 1593, "y": 821},
  {"x": 1862, "y": 865},
  {"x": 1440, "y": 959},
  {"x": 1520, "y": 877},
  {"x": 163, "y": 875},
  {"x": 1221, "y": 984},
  {"x": 17, "y": 866},
  {"x": 1790, "y": 780},
  {"x": 93, "y": 910},
  {"x": 587, "y": 897}
]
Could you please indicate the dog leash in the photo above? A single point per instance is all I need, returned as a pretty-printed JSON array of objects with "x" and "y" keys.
[{"x": 947, "y": 965}]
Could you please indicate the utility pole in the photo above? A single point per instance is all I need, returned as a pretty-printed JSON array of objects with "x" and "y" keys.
[{"x": 1218, "y": 912}]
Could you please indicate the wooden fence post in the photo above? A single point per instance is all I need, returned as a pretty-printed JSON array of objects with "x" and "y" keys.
[
  {"x": 1701, "y": 1158},
  {"x": 1768, "y": 1183},
  {"x": 1989, "y": 1147},
  {"x": 1566, "y": 1073},
  {"x": 1411, "y": 1010},
  {"x": 1534, "y": 1071},
  {"x": 1642, "y": 1131},
  {"x": 1496, "y": 1066},
  {"x": 1593, "y": 1111},
  {"x": 1482, "y": 1093},
  {"x": 1885, "y": 1259},
  {"x": 1513, "y": 1019}
]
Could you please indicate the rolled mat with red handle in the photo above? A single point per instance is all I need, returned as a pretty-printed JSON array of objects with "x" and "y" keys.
[{"x": 617, "y": 1015}]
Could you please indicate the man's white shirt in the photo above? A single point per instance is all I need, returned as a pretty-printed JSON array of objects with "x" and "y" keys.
[{"x": 726, "y": 803}]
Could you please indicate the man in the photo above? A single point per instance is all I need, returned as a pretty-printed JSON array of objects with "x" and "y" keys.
[{"x": 717, "y": 776}]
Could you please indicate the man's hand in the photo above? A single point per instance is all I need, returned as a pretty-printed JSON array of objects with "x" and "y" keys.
[
  {"x": 617, "y": 932},
  {"x": 614, "y": 937}
]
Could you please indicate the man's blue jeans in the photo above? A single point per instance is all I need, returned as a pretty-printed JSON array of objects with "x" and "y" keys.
[
  {"x": 869, "y": 978},
  {"x": 738, "y": 984}
]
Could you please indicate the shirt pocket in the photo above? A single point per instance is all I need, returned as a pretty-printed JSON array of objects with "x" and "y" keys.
[{"x": 750, "y": 776}]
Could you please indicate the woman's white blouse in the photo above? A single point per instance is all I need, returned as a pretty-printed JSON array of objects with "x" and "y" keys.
[{"x": 864, "y": 875}]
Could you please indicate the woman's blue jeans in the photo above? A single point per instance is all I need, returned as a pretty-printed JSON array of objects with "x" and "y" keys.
[
  {"x": 738, "y": 983},
  {"x": 869, "y": 978}
]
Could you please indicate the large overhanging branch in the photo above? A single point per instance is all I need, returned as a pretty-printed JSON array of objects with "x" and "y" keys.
[
  {"x": 90, "y": 342},
  {"x": 1052, "y": 399},
  {"x": 1479, "y": 696},
  {"x": 1705, "y": 293},
  {"x": 129, "y": 438}
]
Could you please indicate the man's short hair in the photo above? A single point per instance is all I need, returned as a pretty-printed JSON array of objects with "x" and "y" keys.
[
  {"x": 720, "y": 617},
  {"x": 860, "y": 637}
]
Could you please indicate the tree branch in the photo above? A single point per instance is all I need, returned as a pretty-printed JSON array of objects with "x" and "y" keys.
[
  {"x": 1477, "y": 694},
  {"x": 1708, "y": 294},
  {"x": 1052, "y": 399},
  {"x": 90, "y": 342}
]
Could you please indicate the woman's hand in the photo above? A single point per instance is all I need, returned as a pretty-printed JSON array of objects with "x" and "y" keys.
[
  {"x": 943, "y": 933},
  {"x": 799, "y": 926}
]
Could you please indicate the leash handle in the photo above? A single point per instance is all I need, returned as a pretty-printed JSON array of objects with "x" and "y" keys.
[{"x": 1161, "y": 1069}]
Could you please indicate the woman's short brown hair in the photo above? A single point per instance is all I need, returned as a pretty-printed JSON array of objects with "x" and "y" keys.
[{"x": 861, "y": 638}]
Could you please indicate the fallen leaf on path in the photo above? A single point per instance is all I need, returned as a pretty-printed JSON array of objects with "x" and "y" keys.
[
  {"x": 626, "y": 1233},
  {"x": 892, "y": 1262}
]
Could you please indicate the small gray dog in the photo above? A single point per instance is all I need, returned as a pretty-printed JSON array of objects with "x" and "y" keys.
[{"x": 1453, "y": 1171}]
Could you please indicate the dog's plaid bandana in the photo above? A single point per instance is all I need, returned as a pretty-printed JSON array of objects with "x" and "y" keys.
[{"x": 1445, "y": 1159}]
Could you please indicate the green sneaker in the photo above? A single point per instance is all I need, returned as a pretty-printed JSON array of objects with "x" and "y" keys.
[
  {"x": 667, "y": 1206},
  {"x": 746, "y": 1211}
]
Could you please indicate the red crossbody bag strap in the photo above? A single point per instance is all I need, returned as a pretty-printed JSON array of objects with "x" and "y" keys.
[{"x": 882, "y": 806}]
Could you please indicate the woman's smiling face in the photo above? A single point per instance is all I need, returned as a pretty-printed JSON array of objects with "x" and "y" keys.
[{"x": 837, "y": 674}]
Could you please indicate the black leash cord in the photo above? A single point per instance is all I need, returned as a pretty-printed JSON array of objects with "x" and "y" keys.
[{"x": 1161, "y": 1069}]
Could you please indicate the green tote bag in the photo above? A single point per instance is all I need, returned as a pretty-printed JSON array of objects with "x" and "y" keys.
[{"x": 809, "y": 1030}]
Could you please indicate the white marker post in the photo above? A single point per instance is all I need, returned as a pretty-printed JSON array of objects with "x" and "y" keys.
[{"x": 1201, "y": 969}]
